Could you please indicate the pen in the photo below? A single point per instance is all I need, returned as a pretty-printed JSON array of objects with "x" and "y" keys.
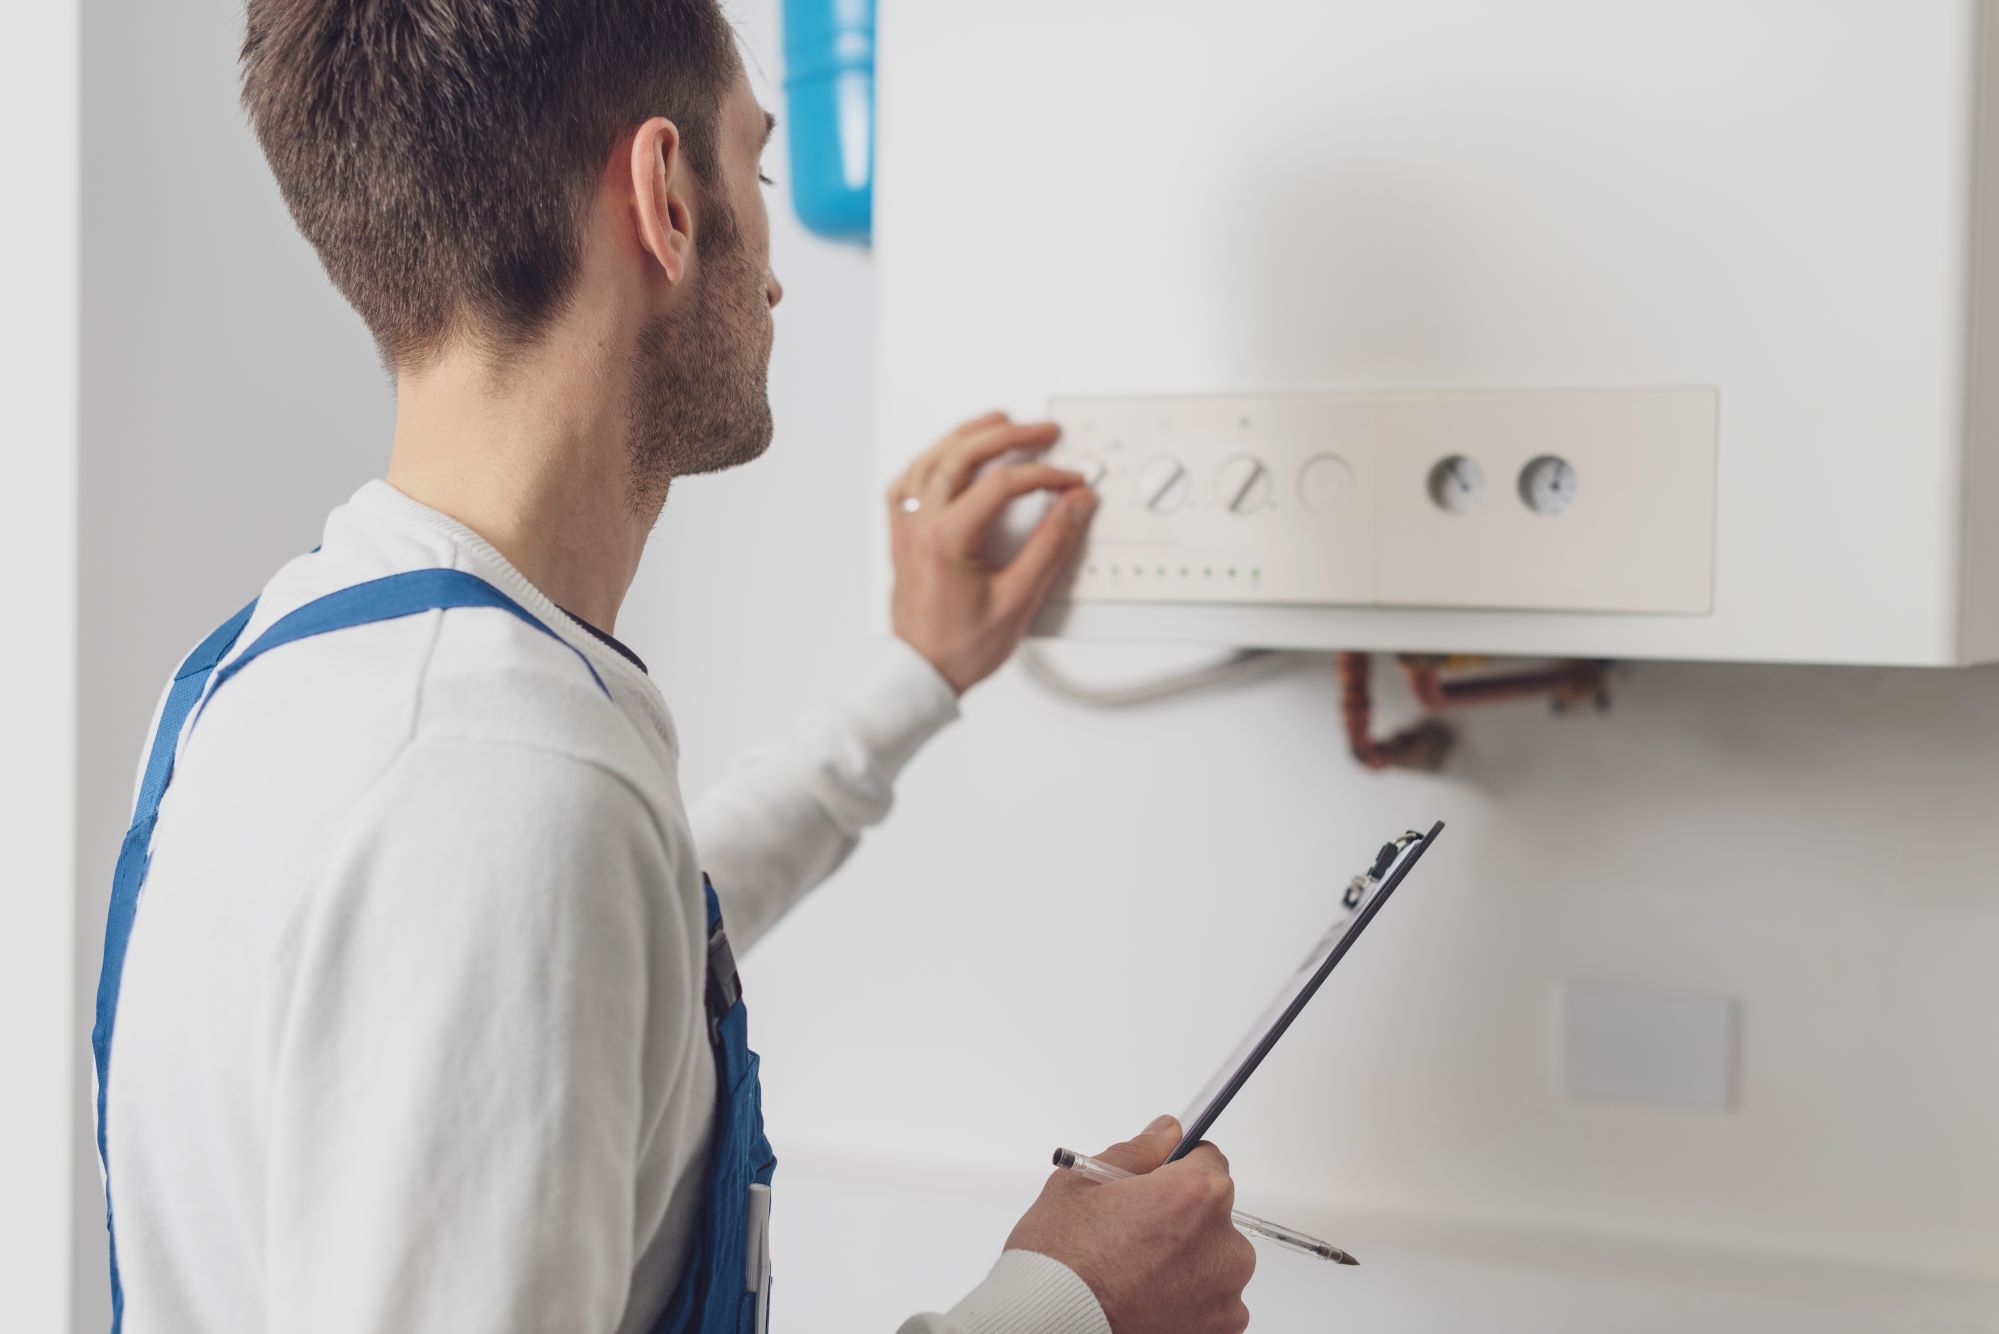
[{"x": 1098, "y": 1170}]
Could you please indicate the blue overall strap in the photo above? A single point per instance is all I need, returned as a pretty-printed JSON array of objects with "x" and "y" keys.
[
  {"x": 188, "y": 683},
  {"x": 386, "y": 599},
  {"x": 718, "y": 1293}
]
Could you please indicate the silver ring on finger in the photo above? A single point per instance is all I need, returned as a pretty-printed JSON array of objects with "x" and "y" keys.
[{"x": 911, "y": 504}]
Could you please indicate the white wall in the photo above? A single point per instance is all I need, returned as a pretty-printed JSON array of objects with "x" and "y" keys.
[
  {"x": 38, "y": 141},
  {"x": 1809, "y": 841}
]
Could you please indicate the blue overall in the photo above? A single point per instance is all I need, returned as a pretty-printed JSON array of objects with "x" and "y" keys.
[{"x": 720, "y": 1290}]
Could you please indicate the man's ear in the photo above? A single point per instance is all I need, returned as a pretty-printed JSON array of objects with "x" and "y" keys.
[{"x": 660, "y": 195}]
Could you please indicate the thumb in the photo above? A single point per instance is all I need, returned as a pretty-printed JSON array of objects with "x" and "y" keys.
[
  {"x": 1145, "y": 1150},
  {"x": 1025, "y": 582}
]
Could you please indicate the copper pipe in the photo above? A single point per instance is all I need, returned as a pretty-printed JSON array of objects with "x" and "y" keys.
[
  {"x": 1566, "y": 683},
  {"x": 1422, "y": 746}
]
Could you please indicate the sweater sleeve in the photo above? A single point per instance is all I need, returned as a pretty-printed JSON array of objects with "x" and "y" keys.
[
  {"x": 459, "y": 1074},
  {"x": 1026, "y": 1293},
  {"x": 784, "y": 819}
]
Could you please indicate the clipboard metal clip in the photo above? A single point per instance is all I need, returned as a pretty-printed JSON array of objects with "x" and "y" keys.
[{"x": 1369, "y": 880}]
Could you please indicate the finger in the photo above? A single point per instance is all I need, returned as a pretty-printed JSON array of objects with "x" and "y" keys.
[
  {"x": 1027, "y": 580},
  {"x": 1204, "y": 1173},
  {"x": 1145, "y": 1150},
  {"x": 1204, "y": 1157},
  {"x": 971, "y": 514},
  {"x": 985, "y": 421},
  {"x": 924, "y": 465},
  {"x": 958, "y": 461},
  {"x": 908, "y": 484},
  {"x": 911, "y": 480},
  {"x": 1242, "y": 1256},
  {"x": 978, "y": 423},
  {"x": 974, "y": 423}
]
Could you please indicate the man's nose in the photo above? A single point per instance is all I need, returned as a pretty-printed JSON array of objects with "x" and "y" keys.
[{"x": 773, "y": 289}]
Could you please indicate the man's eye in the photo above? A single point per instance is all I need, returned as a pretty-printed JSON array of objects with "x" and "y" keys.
[{"x": 765, "y": 179}]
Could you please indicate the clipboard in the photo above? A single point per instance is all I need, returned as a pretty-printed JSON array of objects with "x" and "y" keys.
[{"x": 1401, "y": 855}]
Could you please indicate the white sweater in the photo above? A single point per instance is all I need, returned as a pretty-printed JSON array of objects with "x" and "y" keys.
[{"x": 411, "y": 1035}]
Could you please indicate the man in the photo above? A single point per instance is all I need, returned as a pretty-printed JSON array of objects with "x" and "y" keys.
[{"x": 430, "y": 1020}]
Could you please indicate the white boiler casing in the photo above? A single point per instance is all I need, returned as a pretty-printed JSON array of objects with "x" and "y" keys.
[{"x": 1654, "y": 329}]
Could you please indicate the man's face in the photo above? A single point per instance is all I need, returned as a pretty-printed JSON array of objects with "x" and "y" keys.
[{"x": 700, "y": 401}]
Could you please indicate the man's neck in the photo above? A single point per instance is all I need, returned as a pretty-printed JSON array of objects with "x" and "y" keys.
[{"x": 534, "y": 460}]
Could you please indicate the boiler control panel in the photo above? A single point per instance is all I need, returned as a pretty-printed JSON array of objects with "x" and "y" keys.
[{"x": 1563, "y": 500}]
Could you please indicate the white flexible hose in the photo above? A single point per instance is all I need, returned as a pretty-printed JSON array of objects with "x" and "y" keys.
[{"x": 1244, "y": 663}]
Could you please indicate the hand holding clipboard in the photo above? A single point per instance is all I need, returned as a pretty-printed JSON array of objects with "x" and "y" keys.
[{"x": 1364, "y": 899}]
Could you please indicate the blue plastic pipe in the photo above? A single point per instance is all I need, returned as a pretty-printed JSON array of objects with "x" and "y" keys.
[{"x": 829, "y": 87}]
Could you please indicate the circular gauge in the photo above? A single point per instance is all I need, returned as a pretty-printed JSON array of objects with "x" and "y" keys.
[
  {"x": 1548, "y": 485},
  {"x": 1457, "y": 484}
]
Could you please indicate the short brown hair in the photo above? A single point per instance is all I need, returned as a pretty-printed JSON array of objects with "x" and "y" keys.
[{"x": 440, "y": 155}]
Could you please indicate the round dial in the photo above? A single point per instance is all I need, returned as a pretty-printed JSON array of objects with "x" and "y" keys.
[
  {"x": 1089, "y": 465},
  {"x": 1325, "y": 483},
  {"x": 1162, "y": 484},
  {"x": 1243, "y": 485},
  {"x": 1548, "y": 485},
  {"x": 1457, "y": 484}
]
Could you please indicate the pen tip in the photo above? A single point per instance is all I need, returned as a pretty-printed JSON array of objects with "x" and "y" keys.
[{"x": 1348, "y": 1260}]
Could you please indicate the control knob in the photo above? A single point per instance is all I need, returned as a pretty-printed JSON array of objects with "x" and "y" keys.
[
  {"x": 1325, "y": 483},
  {"x": 1162, "y": 484},
  {"x": 1243, "y": 485}
]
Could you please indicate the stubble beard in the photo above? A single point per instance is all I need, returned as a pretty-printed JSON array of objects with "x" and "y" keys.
[{"x": 700, "y": 381}]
